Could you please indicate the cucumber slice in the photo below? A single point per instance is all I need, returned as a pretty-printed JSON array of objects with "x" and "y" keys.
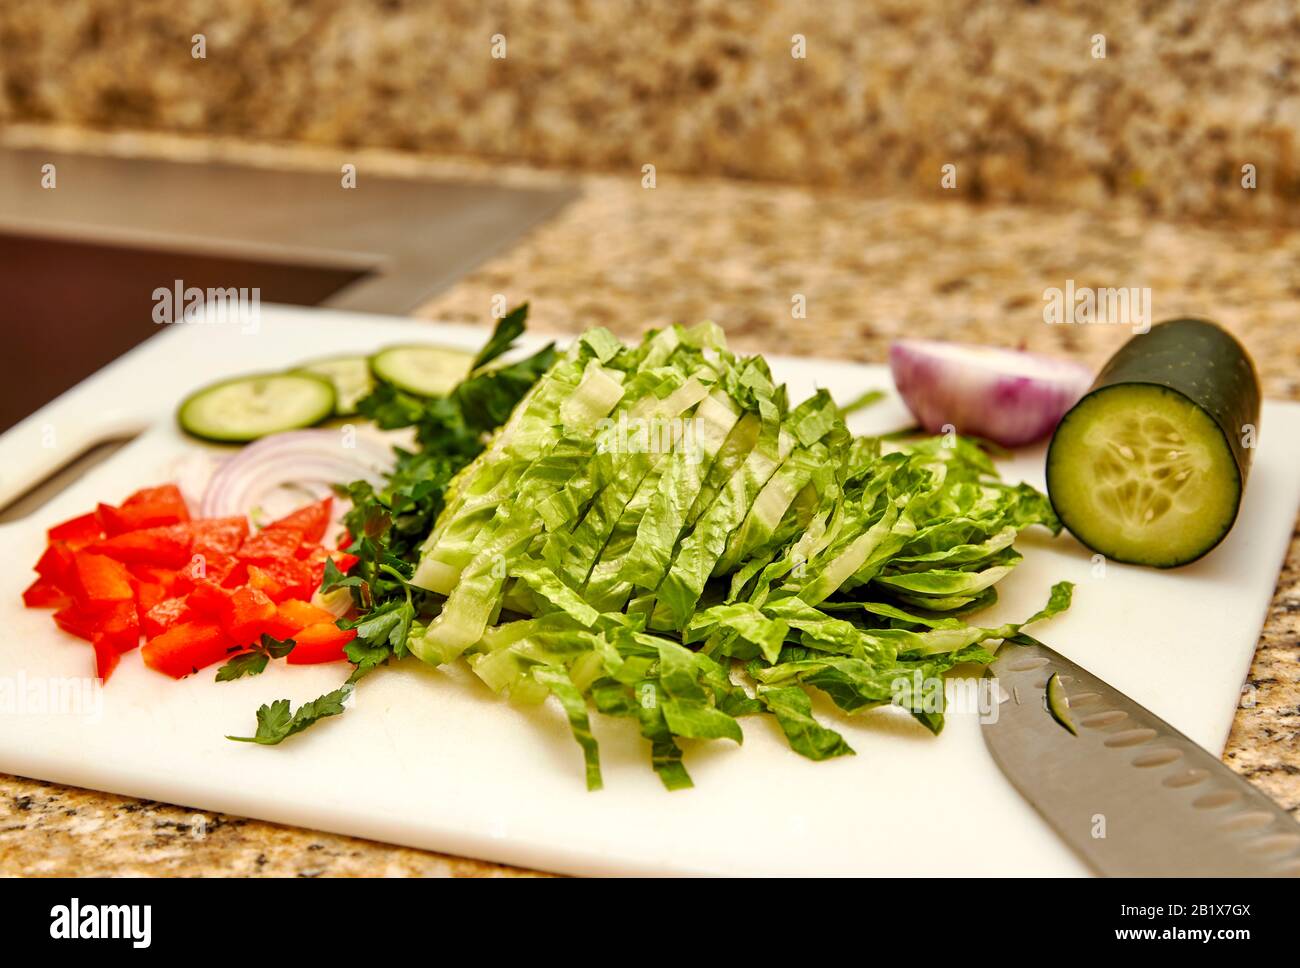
[
  {"x": 349, "y": 374},
  {"x": 1149, "y": 467},
  {"x": 1058, "y": 705},
  {"x": 248, "y": 407},
  {"x": 426, "y": 371}
]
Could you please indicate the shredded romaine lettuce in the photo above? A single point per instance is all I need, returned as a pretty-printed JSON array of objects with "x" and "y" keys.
[{"x": 654, "y": 531}]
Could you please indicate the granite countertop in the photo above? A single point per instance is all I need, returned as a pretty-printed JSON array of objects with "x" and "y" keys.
[{"x": 870, "y": 269}]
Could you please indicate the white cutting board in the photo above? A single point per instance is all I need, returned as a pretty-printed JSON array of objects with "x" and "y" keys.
[{"x": 432, "y": 759}]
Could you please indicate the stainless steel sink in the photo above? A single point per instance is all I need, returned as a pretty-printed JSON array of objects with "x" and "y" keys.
[{"x": 79, "y": 262}]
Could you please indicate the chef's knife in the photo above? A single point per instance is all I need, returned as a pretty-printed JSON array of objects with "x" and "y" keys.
[{"x": 1128, "y": 792}]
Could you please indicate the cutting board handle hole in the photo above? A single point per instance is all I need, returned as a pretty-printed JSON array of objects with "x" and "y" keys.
[{"x": 56, "y": 482}]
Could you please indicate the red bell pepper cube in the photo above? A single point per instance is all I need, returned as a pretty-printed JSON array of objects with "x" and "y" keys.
[
  {"x": 223, "y": 535},
  {"x": 167, "y": 614},
  {"x": 247, "y": 615},
  {"x": 118, "y": 622},
  {"x": 270, "y": 544},
  {"x": 55, "y": 564},
  {"x": 107, "y": 655},
  {"x": 43, "y": 593},
  {"x": 212, "y": 549},
  {"x": 120, "y": 625},
  {"x": 212, "y": 566},
  {"x": 76, "y": 622},
  {"x": 117, "y": 521},
  {"x": 167, "y": 546},
  {"x": 294, "y": 577},
  {"x": 208, "y": 600},
  {"x": 236, "y": 576},
  {"x": 187, "y": 647},
  {"x": 264, "y": 583},
  {"x": 163, "y": 494},
  {"x": 311, "y": 520},
  {"x": 100, "y": 580},
  {"x": 294, "y": 615},
  {"x": 77, "y": 532},
  {"x": 172, "y": 582},
  {"x": 148, "y": 594},
  {"x": 322, "y": 642}
]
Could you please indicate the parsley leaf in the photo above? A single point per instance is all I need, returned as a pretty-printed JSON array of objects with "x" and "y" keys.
[
  {"x": 507, "y": 331},
  {"x": 253, "y": 662},
  {"x": 390, "y": 523},
  {"x": 276, "y": 723}
]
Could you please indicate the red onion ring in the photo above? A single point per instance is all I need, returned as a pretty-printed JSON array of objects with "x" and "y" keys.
[{"x": 308, "y": 462}]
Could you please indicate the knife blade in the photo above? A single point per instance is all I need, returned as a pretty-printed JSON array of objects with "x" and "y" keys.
[{"x": 1129, "y": 793}]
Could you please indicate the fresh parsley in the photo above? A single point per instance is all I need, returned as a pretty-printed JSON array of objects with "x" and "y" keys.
[
  {"x": 389, "y": 524},
  {"x": 253, "y": 662},
  {"x": 276, "y": 722}
]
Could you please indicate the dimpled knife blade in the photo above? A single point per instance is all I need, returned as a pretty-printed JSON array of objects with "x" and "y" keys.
[{"x": 1128, "y": 792}]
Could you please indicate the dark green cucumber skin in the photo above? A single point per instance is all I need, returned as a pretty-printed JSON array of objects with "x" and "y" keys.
[{"x": 1202, "y": 362}]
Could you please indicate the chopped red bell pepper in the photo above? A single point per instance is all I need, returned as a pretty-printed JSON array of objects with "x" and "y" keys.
[
  {"x": 43, "y": 593},
  {"x": 209, "y": 600},
  {"x": 56, "y": 564},
  {"x": 219, "y": 534},
  {"x": 187, "y": 647},
  {"x": 100, "y": 580},
  {"x": 76, "y": 622},
  {"x": 248, "y": 613},
  {"x": 264, "y": 583},
  {"x": 322, "y": 642},
  {"x": 270, "y": 545},
  {"x": 166, "y": 547},
  {"x": 107, "y": 655},
  {"x": 293, "y": 576},
  {"x": 148, "y": 594},
  {"x": 212, "y": 552},
  {"x": 293, "y": 615},
  {"x": 213, "y": 566},
  {"x": 236, "y": 576},
  {"x": 199, "y": 589},
  {"x": 117, "y": 521},
  {"x": 311, "y": 520},
  {"x": 118, "y": 622},
  {"x": 172, "y": 582},
  {"x": 120, "y": 625},
  {"x": 162, "y": 494},
  {"x": 167, "y": 614},
  {"x": 77, "y": 532}
]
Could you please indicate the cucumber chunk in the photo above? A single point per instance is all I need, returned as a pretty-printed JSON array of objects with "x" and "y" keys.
[
  {"x": 1149, "y": 467},
  {"x": 349, "y": 374},
  {"x": 426, "y": 371},
  {"x": 248, "y": 407}
]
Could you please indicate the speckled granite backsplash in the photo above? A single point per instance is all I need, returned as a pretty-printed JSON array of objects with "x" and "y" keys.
[{"x": 1011, "y": 93}]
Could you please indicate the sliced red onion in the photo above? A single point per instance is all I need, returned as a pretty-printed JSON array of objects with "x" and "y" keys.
[
  {"x": 1007, "y": 396},
  {"x": 338, "y": 602},
  {"x": 282, "y": 472}
]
